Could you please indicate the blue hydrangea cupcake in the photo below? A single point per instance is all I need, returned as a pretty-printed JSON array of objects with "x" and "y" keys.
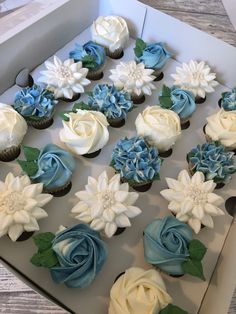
[
  {"x": 153, "y": 55},
  {"x": 51, "y": 166},
  {"x": 114, "y": 104},
  {"x": 180, "y": 101},
  {"x": 213, "y": 161},
  {"x": 36, "y": 105},
  {"x": 92, "y": 57},
  {"x": 137, "y": 162},
  {"x": 228, "y": 100}
]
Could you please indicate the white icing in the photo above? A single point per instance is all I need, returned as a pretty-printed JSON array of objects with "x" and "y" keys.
[
  {"x": 86, "y": 131},
  {"x": 12, "y": 127}
]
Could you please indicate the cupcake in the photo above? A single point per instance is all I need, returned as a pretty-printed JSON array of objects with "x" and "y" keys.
[
  {"x": 137, "y": 162},
  {"x": 228, "y": 100},
  {"x": 213, "y": 161},
  {"x": 92, "y": 57},
  {"x": 169, "y": 246},
  {"x": 74, "y": 255},
  {"x": 36, "y": 105},
  {"x": 112, "y": 33},
  {"x": 153, "y": 55},
  {"x": 180, "y": 101},
  {"x": 51, "y": 166},
  {"x": 221, "y": 127},
  {"x": 13, "y": 130},
  {"x": 160, "y": 128},
  {"x": 65, "y": 79},
  {"x": 85, "y": 132},
  {"x": 106, "y": 204},
  {"x": 134, "y": 79},
  {"x": 140, "y": 291},
  {"x": 21, "y": 207},
  {"x": 191, "y": 200},
  {"x": 197, "y": 78},
  {"x": 114, "y": 104}
]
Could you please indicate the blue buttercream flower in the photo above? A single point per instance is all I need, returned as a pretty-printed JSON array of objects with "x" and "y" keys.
[
  {"x": 229, "y": 100},
  {"x": 166, "y": 244},
  {"x": 55, "y": 167},
  {"x": 91, "y": 54},
  {"x": 81, "y": 254},
  {"x": 35, "y": 102},
  {"x": 114, "y": 104},
  {"x": 154, "y": 56},
  {"x": 136, "y": 160},
  {"x": 214, "y": 161},
  {"x": 183, "y": 102}
]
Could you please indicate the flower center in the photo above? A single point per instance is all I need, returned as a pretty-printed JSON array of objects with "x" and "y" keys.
[
  {"x": 64, "y": 72},
  {"x": 136, "y": 74},
  {"x": 11, "y": 202},
  {"x": 197, "y": 195},
  {"x": 198, "y": 76},
  {"x": 107, "y": 199}
]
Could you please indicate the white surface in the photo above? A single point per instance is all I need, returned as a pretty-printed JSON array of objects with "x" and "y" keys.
[
  {"x": 230, "y": 6},
  {"x": 125, "y": 250}
]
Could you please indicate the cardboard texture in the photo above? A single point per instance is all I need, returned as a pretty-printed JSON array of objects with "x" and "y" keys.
[{"x": 189, "y": 293}]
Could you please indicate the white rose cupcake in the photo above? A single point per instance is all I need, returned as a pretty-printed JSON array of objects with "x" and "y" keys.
[
  {"x": 12, "y": 131},
  {"x": 112, "y": 33},
  {"x": 84, "y": 132},
  {"x": 160, "y": 127},
  {"x": 221, "y": 127}
]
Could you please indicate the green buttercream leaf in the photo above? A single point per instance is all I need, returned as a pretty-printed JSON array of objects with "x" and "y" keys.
[
  {"x": 43, "y": 241},
  {"x": 140, "y": 46},
  {"x": 82, "y": 106},
  {"x": 31, "y": 153},
  {"x": 172, "y": 309},
  {"x": 165, "y": 102},
  {"x": 157, "y": 177},
  {"x": 47, "y": 259},
  {"x": 29, "y": 167},
  {"x": 89, "y": 62},
  {"x": 36, "y": 260},
  {"x": 194, "y": 268},
  {"x": 166, "y": 91},
  {"x": 112, "y": 163},
  {"x": 197, "y": 250},
  {"x": 89, "y": 93},
  {"x": 64, "y": 116}
]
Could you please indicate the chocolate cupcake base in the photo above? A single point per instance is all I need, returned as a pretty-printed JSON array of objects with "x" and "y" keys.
[
  {"x": 40, "y": 124},
  {"x": 119, "y": 231},
  {"x": 95, "y": 75},
  {"x": 116, "y": 123},
  {"x": 200, "y": 100},
  {"x": 159, "y": 75},
  {"x": 185, "y": 125},
  {"x": 60, "y": 191},
  {"x": 117, "y": 54},
  {"x": 219, "y": 185},
  {"x": 92, "y": 155},
  {"x": 142, "y": 187},
  {"x": 220, "y": 103},
  {"x": 9, "y": 154},
  {"x": 138, "y": 99},
  {"x": 74, "y": 98},
  {"x": 166, "y": 154},
  {"x": 25, "y": 236}
]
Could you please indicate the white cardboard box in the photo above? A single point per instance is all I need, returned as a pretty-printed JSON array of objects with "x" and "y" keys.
[{"x": 35, "y": 43}]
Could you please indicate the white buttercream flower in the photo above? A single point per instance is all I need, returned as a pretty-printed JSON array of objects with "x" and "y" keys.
[
  {"x": 20, "y": 206},
  {"x": 66, "y": 78},
  {"x": 133, "y": 78},
  {"x": 196, "y": 77},
  {"x": 106, "y": 204},
  {"x": 192, "y": 199}
]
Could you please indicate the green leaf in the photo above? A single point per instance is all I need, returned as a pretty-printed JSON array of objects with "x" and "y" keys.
[
  {"x": 165, "y": 102},
  {"x": 63, "y": 115},
  {"x": 35, "y": 260},
  {"x": 172, "y": 309},
  {"x": 29, "y": 167},
  {"x": 43, "y": 240},
  {"x": 194, "y": 268},
  {"x": 47, "y": 259},
  {"x": 157, "y": 177},
  {"x": 166, "y": 91},
  {"x": 82, "y": 106},
  {"x": 112, "y": 163},
  {"x": 89, "y": 62},
  {"x": 139, "y": 47},
  {"x": 89, "y": 93},
  {"x": 197, "y": 250},
  {"x": 31, "y": 153}
]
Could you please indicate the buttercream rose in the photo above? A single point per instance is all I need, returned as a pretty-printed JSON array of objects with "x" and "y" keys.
[
  {"x": 183, "y": 102},
  {"x": 81, "y": 254},
  {"x": 86, "y": 131},
  {"x": 111, "y": 32},
  {"x": 160, "y": 127},
  {"x": 138, "y": 291},
  {"x": 166, "y": 244},
  {"x": 221, "y": 127}
]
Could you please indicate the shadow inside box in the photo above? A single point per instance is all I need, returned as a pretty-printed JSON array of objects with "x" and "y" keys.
[{"x": 230, "y": 206}]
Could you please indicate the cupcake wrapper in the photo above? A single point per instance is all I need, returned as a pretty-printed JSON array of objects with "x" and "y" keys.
[
  {"x": 117, "y": 54},
  {"x": 60, "y": 191},
  {"x": 119, "y": 231},
  {"x": 158, "y": 74},
  {"x": 200, "y": 100},
  {"x": 10, "y": 154},
  {"x": 166, "y": 154},
  {"x": 138, "y": 99},
  {"x": 25, "y": 236},
  {"x": 185, "y": 124},
  {"x": 40, "y": 124},
  {"x": 140, "y": 187},
  {"x": 74, "y": 98},
  {"x": 95, "y": 75},
  {"x": 92, "y": 155},
  {"x": 116, "y": 123}
]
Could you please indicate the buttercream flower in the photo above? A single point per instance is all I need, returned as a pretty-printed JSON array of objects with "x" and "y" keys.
[
  {"x": 85, "y": 131},
  {"x": 66, "y": 78},
  {"x": 228, "y": 101},
  {"x": 21, "y": 206},
  {"x": 160, "y": 127},
  {"x": 133, "y": 78},
  {"x": 196, "y": 77},
  {"x": 111, "y": 32},
  {"x": 106, "y": 204},
  {"x": 138, "y": 291},
  {"x": 221, "y": 126},
  {"x": 192, "y": 199}
]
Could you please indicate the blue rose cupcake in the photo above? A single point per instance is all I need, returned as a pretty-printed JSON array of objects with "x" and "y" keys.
[
  {"x": 74, "y": 255},
  {"x": 228, "y": 100},
  {"x": 153, "y": 55},
  {"x": 213, "y": 161},
  {"x": 36, "y": 105},
  {"x": 51, "y": 166},
  {"x": 114, "y": 104},
  {"x": 137, "y": 162},
  {"x": 169, "y": 245},
  {"x": 92, "y": 57},
  {"x": 180, "y": 101}
]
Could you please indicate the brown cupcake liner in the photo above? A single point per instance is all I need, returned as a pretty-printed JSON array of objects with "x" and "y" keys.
[
  {"x": 116, "y": 123},
  {"x": 185, "y": 123},
  {"x": 138, "y": 99},
  {"x": 158, "y": 74},
  {"x": 10, "y": 154},
  {"x": 25, "y": 236},
  {"x": 166, "y": 154},
  {"x": 95, "y": 75},
  {"x": 119, "y": 231},
  {"x": 92, "y": 155},
  {"x": 60, "y": 191},
  {"x": 117, "y": 54},
  {"x": 74, "y": 98},
  {"x": 220, "y": 102},
  {"x": 199, "y": 100},
  {"x": 41, "y": 124},
  {"x": 139, "y": 187}
]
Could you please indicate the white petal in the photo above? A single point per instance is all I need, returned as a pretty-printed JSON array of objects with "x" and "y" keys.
[
  {"x": 195, "y": 224},
  {"x": 208, "y": 221},
  {"x": 30, "y": 204},
  {"x": 97, "y": 224},
  {"x": 83, "y": 195},
  {"x": 121, "y": 196},
  {"x": 215, "y": 199},
  {"x": 39, "y": 213},
  {"x": 6, "y": 221},
  {"x": 209, "y": 186},
  {"x": 110, "y": 229},
  {"x": 32, "y": 190},
  {"x": 184, "y": 177},
  {"x": 118, "y": 208},
  {"x": 43, "y": 199},
  {"x": 132, "y": 198},
  {"x": 198, "y": 178},
  {"x": 186, "y": 206},
  {"x": 213, "y": 210},
  {"x": 174, "y": 184},
  {"x": 21, "y": 217},
  {"x": 198, "y": 212},
  {"x": 32, "y": 225},
  {"x": 172, "y": 195},
  {"x": 109, "y": 215},
  {"x": 79, "y": 208},
  {"x": 133, "y": 211},
  {"x": 15, "y": 231},
  {"x": 122, "y": 221}
]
